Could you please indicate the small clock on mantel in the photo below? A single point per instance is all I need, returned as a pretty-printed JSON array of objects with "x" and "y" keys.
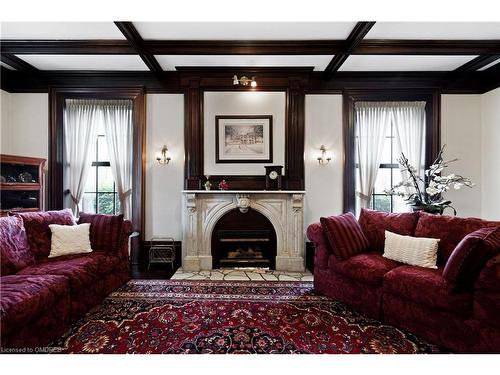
[{"x": 273, "y": 177}]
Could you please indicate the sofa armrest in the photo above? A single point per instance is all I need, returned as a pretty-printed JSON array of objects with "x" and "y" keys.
[
  {"x": 127, "y": 231},
  {"x": 489, "y": 278},
  {"x": 322, "y": 249}
]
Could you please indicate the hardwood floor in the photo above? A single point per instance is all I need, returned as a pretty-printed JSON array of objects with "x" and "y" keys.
[{"x": 157, "y": 271}]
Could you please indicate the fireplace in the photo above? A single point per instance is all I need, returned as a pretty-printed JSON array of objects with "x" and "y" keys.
[
  {"x": 243, "y": 240},
  {"x": 241, "y": 214}
]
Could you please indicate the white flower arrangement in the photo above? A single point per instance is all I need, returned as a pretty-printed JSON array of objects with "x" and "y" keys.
[{"x": 429, "y": 199}]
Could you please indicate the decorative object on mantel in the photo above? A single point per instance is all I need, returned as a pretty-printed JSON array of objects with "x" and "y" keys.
[
  {"x": 430, "y": 199},
  {"x": 273, "y": 177},
  {"x": 164, "y": 158},
  {"x": 208, "y": 184},
  {"x": 223, "y": 185},
  {"x": 323, "y": 159},
  {"x": 244, "y": 139},
  {"x": 244, "y": 81}
]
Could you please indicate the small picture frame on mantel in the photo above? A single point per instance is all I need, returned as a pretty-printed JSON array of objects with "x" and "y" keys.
[{"x": 244, "y": 139}]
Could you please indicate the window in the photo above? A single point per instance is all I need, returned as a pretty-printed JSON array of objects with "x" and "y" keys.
[
  {"x": 100, "y": 194},
  {"x": 382, "y": 131},
  {"x": 388, "y": 176}
]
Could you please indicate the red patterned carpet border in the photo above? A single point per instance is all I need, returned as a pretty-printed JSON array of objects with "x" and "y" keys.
[{"x": 183, "y": 316}]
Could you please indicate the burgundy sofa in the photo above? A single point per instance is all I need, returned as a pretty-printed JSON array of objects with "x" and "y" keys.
[
  {"x": 41, "y": 296},
  {"x": 465, "y": 319}
]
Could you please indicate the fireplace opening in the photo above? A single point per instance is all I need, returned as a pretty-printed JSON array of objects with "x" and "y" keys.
[{"x": 244, "y": 240}]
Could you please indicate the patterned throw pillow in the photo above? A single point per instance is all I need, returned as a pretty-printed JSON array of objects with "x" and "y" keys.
[
  {"x": 470, "y": 256},
  {"x": 14, "y": 249},
  {"x": 344, "y": 235},
  {"x": 69, "y": 239},
  {"x": 375, "y": 223},
  {"x": 105, "y": 230},
  {"x": 416, "y": 251},
  {"x": 37, "y": 228}
]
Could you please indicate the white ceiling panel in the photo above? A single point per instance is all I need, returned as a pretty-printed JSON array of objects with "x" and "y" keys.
[
  {"x": 244, "y": 30},
  {"x": 403, "y": 63},
  {"x": 85, "y": 62},
  {"x": 60, "y": 30},
  {"x": 169, "y": 62},
  {"x": 435, "y": 30}
]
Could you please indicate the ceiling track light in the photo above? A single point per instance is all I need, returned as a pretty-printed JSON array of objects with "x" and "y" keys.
[{"x": 244, "y": 81}]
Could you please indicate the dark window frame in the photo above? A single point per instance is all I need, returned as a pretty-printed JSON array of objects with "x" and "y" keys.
[{"x": 432, "y": 98}]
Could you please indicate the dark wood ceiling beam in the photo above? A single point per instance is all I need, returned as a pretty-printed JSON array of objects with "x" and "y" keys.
[
  {"x": 16, "y": 63},
  {"x": 477, "y": 63},
  {"x": 170, "y": 82},
  {"x": 244, "y": 47},
  {"x": 67, "y": 47},
  {"x": 133, "y": 37},
  {"x": 354, "y": 39},
  {"x": 427, "y": 47},
  {"x": 261, "y": 47}
]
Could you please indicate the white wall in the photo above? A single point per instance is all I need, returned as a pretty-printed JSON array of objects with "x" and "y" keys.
[
  {"x": 165, "y": 125},
  {"x": 324, "y": 184},
  {"x": 243, "y": 103},
  {"x": 25, "y": 125},
  {"x": 461, "y": 133},
  {"x": 5, "y": 129},
  {"x": 490, "y": 151}
]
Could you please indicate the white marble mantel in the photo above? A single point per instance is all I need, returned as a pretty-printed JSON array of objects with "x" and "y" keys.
[{"x": 202, "y": 209}]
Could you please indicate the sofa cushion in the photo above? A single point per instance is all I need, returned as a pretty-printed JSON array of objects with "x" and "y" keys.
[
  {"x": 37, "y": 228},
  {"x": 451, "y": 230},
  {"x": 69, "y": 239},
  {"x": 81, "y": 270},
  {"x": 105, "y": 230},
  {"x": 26, "y": 297},
  {"x": 416, "y": 251},
  {"x": 375, "y": 223},
  {"x": 470, "y": 256},
  {"x": 368, "y": 268},
  {"x": 14, "y": 249},
  {"x": 428, "y": 287},
  {"x": 344, "y": 235}
]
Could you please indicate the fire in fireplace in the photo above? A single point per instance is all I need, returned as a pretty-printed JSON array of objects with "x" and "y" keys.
[{"x": 244, "y": 240}]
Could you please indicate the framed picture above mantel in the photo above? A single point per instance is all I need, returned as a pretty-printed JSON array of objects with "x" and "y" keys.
[{"x": 244, "y": 139}]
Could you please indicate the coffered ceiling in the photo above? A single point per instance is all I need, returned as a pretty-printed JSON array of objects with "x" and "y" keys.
[{"x": 328, "y": 48}]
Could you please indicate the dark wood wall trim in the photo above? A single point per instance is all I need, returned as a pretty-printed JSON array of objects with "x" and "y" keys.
[
  {"x": 288, "y": 80},
  {"x": 294, "y": 135},
  {"x": 433, "y": 128},
  {"x": 193, "y": 135},
  {"x": 57, "y": 97}
]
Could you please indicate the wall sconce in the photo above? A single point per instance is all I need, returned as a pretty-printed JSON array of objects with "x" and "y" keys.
[
  {"x": 164, "y": 158},
  {"x": 244, "y": 81},
  {"x": 323, "y": 159}
]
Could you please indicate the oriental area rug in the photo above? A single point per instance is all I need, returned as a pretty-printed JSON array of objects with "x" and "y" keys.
[{"x": 200, "y": 316}]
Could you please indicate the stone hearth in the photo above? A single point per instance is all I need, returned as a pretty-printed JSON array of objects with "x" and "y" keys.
[{"x": 203, "y": 209}]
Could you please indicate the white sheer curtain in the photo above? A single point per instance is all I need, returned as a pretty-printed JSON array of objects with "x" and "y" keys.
[
  {"x": 409, "y": 129},
  {"x": 371, "y": 122},
  {"x": 80, "y": 131},
  {"x": 117, "y": 117}
]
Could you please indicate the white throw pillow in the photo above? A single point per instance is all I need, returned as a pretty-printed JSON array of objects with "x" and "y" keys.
[
  {"x": 417, "y": 251},
  {"x": 69, "y": 239}
]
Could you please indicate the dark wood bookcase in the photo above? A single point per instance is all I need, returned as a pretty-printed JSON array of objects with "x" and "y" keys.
[{"x": 21, "y": 185}]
